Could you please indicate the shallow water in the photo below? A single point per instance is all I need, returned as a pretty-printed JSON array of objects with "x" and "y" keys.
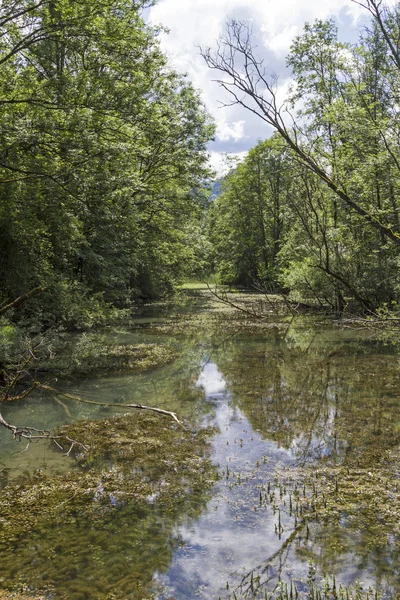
[{"x": 282, "y": 397}]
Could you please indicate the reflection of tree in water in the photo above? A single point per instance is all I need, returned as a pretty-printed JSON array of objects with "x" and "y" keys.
[
  {"x": 334, "y": 405},
  {"x": 321, "y": 399}
]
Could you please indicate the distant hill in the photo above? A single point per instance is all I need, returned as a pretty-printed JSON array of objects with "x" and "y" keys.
[{"x": 215, "y": 189}]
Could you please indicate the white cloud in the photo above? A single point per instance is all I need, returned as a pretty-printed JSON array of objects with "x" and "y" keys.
[
  {"x": 211, "y": 380},
  {"x": 280, "y": 42},
  {"x": 195, "y": 23},
  {"x": 221, "y": 162},
  {"x": 233, "y": 131}
]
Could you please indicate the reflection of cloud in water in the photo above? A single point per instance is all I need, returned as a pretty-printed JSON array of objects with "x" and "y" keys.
[
  {"x": 211, "y": 380},
  {"x": 234, "y": 534}
]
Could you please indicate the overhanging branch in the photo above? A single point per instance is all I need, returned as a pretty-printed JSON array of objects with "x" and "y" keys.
[
  {"x": 251, "y": 87},
  {"x": 31, "y": 434}
]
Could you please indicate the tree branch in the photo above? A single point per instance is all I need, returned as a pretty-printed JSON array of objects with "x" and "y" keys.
[
  {"x": 32, "y": 434},
  {"x": 254, "y": 84},
  {"x": 21, "y": 300},
  {"x": 118, "y": 405}
]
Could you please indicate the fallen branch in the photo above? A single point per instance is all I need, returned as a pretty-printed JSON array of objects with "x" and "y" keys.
[
  {"x": 21, "y": 300},
  {"x": 119, "y": 405},
  {"x": 225, "y": 300},
  {"x": 293, "y": 306},
  {"x": 32, "y": 434}
]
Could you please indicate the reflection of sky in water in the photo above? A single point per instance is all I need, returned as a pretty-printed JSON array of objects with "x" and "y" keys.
[
  {"x": 211, "y": 380},
  {"x": 312, "y": 446},
  {"x": 234, "y": 534}
]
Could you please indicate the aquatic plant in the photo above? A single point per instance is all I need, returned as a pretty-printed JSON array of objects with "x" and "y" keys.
[{"x": 91, "y": 531}]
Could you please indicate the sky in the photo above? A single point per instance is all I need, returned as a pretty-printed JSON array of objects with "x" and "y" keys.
[{"x": 199, "y": 23}]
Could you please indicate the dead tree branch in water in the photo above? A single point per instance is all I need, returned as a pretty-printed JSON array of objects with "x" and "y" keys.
[
  {"x": 31, "y": 434},
  {"x": 117, "y": 405},
  {"x": 225, "y": 300}
]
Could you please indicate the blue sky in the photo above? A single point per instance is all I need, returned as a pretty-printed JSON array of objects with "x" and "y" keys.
[{"x": 194, "y": 23}]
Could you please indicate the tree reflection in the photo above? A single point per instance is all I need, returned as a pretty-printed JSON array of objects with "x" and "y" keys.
[{"x": 329, "y": 398}]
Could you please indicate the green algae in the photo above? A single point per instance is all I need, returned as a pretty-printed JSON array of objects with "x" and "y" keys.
[
  {"x": 319, "y": 515},
  {"x": 199, "y": 309},
  {"x": 91, "y": 354},
  {"x": 335, "y": 396},
  {"x": 92, "y": 532},
  {"x": 328, "y": 517},
  {"x": 128, "y": 357},
  {"x": 23, "y": 595}
]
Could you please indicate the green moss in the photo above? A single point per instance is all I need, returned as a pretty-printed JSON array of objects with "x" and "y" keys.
[{"x": 19, "y": 596}]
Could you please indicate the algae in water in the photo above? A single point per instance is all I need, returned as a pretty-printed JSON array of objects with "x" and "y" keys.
[{"x": 92, "y": 533}]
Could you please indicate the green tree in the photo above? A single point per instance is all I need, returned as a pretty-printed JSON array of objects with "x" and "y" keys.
[
  {"x": 103, "y": 154},
  {"x": 343, "y": 236},
  {"x": 247, "y": 219}
]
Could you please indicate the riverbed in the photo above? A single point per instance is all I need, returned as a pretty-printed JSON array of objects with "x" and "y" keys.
[{"x": 299, "y": 408}]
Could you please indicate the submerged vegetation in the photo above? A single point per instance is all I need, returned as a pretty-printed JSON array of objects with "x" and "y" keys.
[
  {"x": 92, "y": 354},
  {"x": 114, "y": 520},
  {"x": 87, "y": 533}
]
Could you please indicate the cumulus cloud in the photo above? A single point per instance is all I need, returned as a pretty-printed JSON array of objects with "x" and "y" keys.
[
  {"x": 233, "y": 131},
  {"x": 198, "y": 23}
]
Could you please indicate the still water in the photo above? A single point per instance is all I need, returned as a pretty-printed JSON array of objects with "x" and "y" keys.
[{"x": 284, "y": 396}]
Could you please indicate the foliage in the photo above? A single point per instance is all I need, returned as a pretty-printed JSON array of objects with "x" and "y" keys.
[
  {"x": 103, "y": 157},
  {"x": 8, "y": 340},
  {"x": 335, "y": 237},
  {"x": 247, "y": 219}
]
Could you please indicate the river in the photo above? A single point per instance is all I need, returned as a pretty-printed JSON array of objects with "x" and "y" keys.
[{"x": 289, "y": 398}]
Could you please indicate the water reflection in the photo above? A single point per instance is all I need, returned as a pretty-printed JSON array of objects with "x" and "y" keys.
[
  {"x": 212, "y": 381},
  {"x": 280, "y": 399},
  {"x": 296, "y": 402},
  {"x": 230, "y": 534},
  {"x": 234, "y": 531}
]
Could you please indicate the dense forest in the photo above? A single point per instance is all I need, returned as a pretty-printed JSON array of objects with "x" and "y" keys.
[
  {"x": 103, "y": 158},
  {"x": 104, "y": 178}
]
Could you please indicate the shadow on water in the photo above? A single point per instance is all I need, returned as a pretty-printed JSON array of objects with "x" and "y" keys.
[{"x": 288, "y": 402}]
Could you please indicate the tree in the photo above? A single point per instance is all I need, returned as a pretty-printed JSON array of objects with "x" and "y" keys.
[
  {"x": 103, "y": 151},
  {"x": 343, "y": 154},
  {"x": 246, "y": 220},
  {"x": 247, "y": 81}
]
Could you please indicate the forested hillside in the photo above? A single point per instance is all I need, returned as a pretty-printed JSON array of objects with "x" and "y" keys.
[
  {"x": 102, "y": 159},
  {"x": 314, "y": 210}
]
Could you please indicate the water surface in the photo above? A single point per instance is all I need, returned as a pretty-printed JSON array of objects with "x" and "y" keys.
[{"x": 283, "y": 396}]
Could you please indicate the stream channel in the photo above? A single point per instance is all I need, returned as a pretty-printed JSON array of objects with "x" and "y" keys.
[{"x": 288, "y": 399}]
